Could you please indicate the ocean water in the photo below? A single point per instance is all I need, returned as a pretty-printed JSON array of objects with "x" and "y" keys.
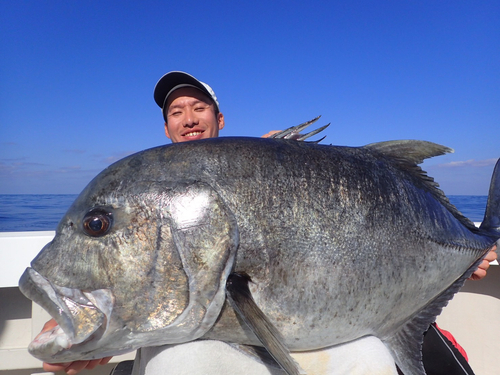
[
  {"x": 20, "y": 213},
  {"x": 23, "y": 212}
]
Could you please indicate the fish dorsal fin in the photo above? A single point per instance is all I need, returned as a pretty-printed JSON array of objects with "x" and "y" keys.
[
  {"x": 411, "y": 151},
  {"x": 293, "y": 132},
  {"x": 405, "y": 344},
  {"x": 241, "y": 300},
  {"x": 406, "y": 154}
]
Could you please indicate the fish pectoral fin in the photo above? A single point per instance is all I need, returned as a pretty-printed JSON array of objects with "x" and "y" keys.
[
  {"x": 257, "y": 353},
  {"x": 241, "y": 300}
]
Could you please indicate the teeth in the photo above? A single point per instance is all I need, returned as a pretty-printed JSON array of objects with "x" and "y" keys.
[{"x": 191, "y": 134}]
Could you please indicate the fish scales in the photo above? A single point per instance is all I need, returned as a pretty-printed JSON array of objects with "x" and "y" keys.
[{"x": 338, "y": 242}]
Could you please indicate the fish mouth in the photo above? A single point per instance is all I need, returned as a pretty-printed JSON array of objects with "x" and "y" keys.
[{"x": 81, "y": 316}]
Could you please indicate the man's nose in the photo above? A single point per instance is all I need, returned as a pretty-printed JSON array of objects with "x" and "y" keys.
[{"x": 191, "y": 119}]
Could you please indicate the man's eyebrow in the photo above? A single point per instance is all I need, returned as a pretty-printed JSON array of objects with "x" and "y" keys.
[
  {"x": 174, "y": 106},
  {"x": 193, "y": 102}
]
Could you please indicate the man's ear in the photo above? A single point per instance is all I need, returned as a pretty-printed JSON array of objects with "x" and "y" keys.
[
  {"x": 166, "y": 131},
  {"x": 220, "y": 121}
]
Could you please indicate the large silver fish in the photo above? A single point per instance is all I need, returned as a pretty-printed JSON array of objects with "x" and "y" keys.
[{"x": 268, "y": 242}]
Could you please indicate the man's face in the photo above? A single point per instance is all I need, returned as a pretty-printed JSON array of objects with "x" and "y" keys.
[{"x": 191, "y": 116}]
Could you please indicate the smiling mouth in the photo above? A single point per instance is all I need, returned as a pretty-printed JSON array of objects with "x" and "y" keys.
[{"x": 192, "y": 134}]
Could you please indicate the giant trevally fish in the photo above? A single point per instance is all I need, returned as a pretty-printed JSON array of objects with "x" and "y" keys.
[{"x": 286, "y": 245}]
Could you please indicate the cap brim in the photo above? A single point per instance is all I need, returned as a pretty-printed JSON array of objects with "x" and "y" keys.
[{"x": 171, "y": 80}]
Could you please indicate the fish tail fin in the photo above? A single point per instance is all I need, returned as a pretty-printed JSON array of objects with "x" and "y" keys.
[{"x": 491, "y": 221}]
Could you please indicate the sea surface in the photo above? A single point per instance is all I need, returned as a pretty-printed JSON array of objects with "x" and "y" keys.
[{"x": 19, "y": 213}]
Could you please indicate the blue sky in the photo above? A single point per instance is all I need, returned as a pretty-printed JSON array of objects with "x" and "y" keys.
[{"x": 77, "y": 79}]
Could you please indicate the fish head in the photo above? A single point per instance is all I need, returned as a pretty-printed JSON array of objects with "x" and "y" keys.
[{"x": 144, "y": 264}]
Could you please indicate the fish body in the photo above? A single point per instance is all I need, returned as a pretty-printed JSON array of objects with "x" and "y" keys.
[{"x": 336, "y": 243}]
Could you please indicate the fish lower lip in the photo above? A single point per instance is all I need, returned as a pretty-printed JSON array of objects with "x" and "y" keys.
[
  {"x": 49, "y": 342},
  {"x": 79, "y": 315}
]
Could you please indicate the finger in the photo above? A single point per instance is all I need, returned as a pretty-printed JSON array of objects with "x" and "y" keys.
[
  {"x": 478, "y": 275},
  {"x": 491, "y": 256},
  {"x": 105, "y": 360},
  {"x": 481, "y": 271},
  {"x": 485, "y": 264},
  {"x": 93, "y": 364},
  {"x": 75, "y": 367},
  {"x": 55, "y": 367},
  {"x": 49, "y": 325},
  {"x": 270, "y": 133}
]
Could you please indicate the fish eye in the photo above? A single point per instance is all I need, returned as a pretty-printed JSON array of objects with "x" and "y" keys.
[{"x": 97, "y": 222}]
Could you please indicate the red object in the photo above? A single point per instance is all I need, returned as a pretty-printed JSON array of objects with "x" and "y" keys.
[{"x": 450, "y": 337}]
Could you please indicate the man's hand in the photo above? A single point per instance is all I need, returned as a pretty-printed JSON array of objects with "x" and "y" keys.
[
  {"x": 272, "y": 132},
  {"x": 71, "y": 368},
  {"x": 483, "y": 267}
]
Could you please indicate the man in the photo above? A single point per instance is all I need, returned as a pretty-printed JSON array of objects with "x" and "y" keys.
[
  {"x": 189, "y": 107},
  {"x": 191, "y": 111}
]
